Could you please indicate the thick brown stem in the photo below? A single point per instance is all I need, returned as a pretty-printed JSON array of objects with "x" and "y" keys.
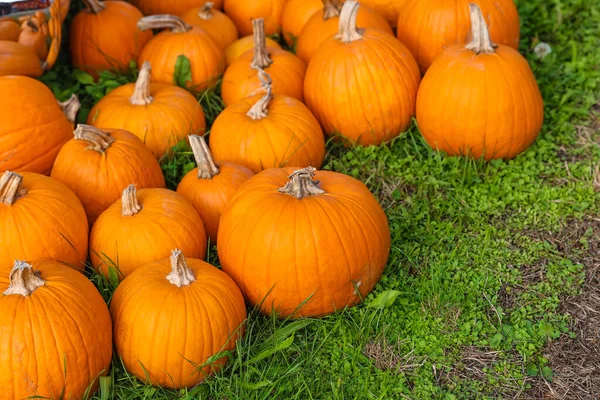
[
  {"x": 31, "y": 24},
  {"x": 348, "y": 32},
  {"x": 260, "y": 109},
  {"x": 181, "y": 274},
  {"x": 129, "y": 200},
  {"x": 207, "y": 168},
  {"x": 164, "y": 21},
  {"x": 261, "y": 56},
  {"x": 95, "y": 5},
  {"x": 98, "y": 140},
  {"x": 481, "y": 42},
  {"x": 70, "y": 107},
  {"x": 331, "y": 9},
  {"x": 301, "y": 184},
  {"x": 10, "y": 187},
  {"x": 141, "y": 94},
  {"x": 23, "y": 280},
  {"x": 206, "y": 11}
]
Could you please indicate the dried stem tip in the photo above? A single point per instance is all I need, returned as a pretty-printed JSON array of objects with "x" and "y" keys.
[
  {"x": 23, "y": 280},
  {"x": 301, "y": 184},
  {"x": 181, "y": 275},
  {"x": 130, "y": 205},
  {"x": 98, "y": 140},
  {"x": 481, "y": 43},
  {"x": 207, "y": 168}
]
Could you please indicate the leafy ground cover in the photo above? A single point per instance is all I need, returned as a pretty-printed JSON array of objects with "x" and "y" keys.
[{"x": 491, "y": 288}]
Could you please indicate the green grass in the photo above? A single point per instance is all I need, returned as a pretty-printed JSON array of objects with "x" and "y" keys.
[{"x": 478, "y": 277}]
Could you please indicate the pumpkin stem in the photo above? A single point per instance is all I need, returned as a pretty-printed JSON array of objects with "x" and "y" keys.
[
  {"x": 206, "y": 11},
  {"x": 10, "y": 188},
  {"x": 301, "y": 184},
  {"x": 261, "y": 56},
  {"x": 331, "y": 9},
  {"x": 70, "y": 107},
  {"x": 259, "y": 109},
  {"x": 163, "y": 21},
  {"x": 98, "y": 139},
  {"x": 141, "y": 94},
  {"x": 481, "y": 43},
  {"x": 95, "y": 5},
  {"x": 348, "y": 32},
  {"x": 129, "y": 200},
  {"x": 181, "y": 274},
  {"x": 207, "y": 168},
  {"x": 23, "y": 280},
  {"x": 33, "y": 25}
]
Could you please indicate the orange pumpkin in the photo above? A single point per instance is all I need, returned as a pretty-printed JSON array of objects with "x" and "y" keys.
[
  {"x": 211, "y": 185},
  {"x": 9, "y": 29},
  {"x": 236, "y": 49},
  {"x": 269, "y": 131},
  {"x": 447, "y": 23},
  {"x": 105, "y": 36},
  {"x": 357, "y": 68},
  {"x": 296, "y": 14},
  {"x": 17, "y": 59},
  {"x": 200, "y": 312},
  {"x": 285, "y": 69},
  {"x": 32, "y": 143},
  {"x": 64, "y": 9},
  {"x": 216, "y": 23},
  {"x": 160, "y": 115},
  {"x": 329, "y": 234},
  {"x": 325, "y": 23},
  {"x": 389, "y": 9},
  {"x": 480, "y": 100},
  {"x": 143, "y": 227},
  {"x": 173, "y": 7},
  {"x": 207, "y": 60},
  {"x": 40, "y": 218},
  {"x": 47, "y": 309},
  {"x": 243, "y": 12},
  {"x": 98, "y": 164},
  {"x": 34, "y": 34}
]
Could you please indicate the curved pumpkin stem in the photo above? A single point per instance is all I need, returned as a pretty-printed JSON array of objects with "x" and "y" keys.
[
  {"x": 207, "y": 168},
  {"x": 10, "y": 187},
  {"x": 164, "y": 21},
  {"x": 259, "y": 109},
  {"x": 70, "y": 107},
  {"x": 141, "y": 94},
  {"x": 181, "y": 274},
  {"x": 301, "y": 184},
  {"x": 95, "y": 5},
  {"x": 23, "y": 280},
  {"x": 481, "y": 43},
  {"x": 129, "y": 202},
  {"x": 348, "y": 32},
  {"x": 206, "y": 11},
  {"x": 331, "y": 9},
  {"x": 99, "y": 140},
  {"x": 261, "y": 56}
]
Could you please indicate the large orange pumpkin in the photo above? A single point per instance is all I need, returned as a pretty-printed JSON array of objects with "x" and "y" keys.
[
  {"x": 296, "y": 14},
  {"x": 446, "y": 23},
  {"x": 285, "y": 69},
  {"x": 325, "y": 23},
  {"x": 211, "y": 185},
  {"x": 143, "y": 227},
  {"x": 480, "y": 100},
  {"x": 236, "y": 49},
  {"x": 268, "y": 131},
  {"x": 31, "y": 143},
  {"x": 389, "y": 9},
  {"x": 40, "y": 218},
  {"x": 105, "y": 36},
  {"x": 98, "y": 164},
  {"x": 199, "y": 312},
  {"x": 285, "y": 238},
  {"x": 207, "y": 60},
  {"x": 216, "y": 23},
  {"x": 362, "y": 84},
  {"x": 173, "y": 7},
  {"x": 243, "y": 12},
  {"x": 161, "y": 115},
  {"x": 9, "y": 29},
  {"x": 55, "y": 330}
]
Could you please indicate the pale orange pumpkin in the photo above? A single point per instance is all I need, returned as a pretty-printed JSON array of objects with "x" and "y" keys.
[
  {"x": 296, "y": 14},
  {"x": 9, "y": 29},
  {"x": 17, "y": 59},
  {"x": 34, "y": 34},
  {"x": 243, "y": 12},
  {"x": 173, "y": 7},
  {"x": 216, "y": 23},
  {"x": 236, "y": 49}
]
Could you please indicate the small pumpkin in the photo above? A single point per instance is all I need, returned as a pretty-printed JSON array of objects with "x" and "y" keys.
[
  {"x": 207, "y": 60},
  {"x": 236, "y": 49},
  {"x": 324, "y": 229},
  {"x": 285, "y": 69},
  {"x": 104, "y": 36},
  {"x": 31, "y": 141},
  {"x": 269, "y": 131},
  {"x": 447, "y": 23},
  {"x": 40, "y": 218},
  {"x": 161, "y": 115},
  {"x": 143, "y": 226},
  {"x": 359, "y": 67},
  {"x": 98, "y": 164},
  {"x": 50, "y": 310},
  {"x": 173, "y": 7},
  {"x": 480, "y": 100},
  {"x": 296, "y": 14},
  {"x": 211, "y": 185},
  {"x": 17, "y": 59},
  {"x": 389, "y": 9},
  {"x": 325, "y": 23},
  {"x": 200, "y": 312},
  {"x": 34, "y": 34},
  {"x": 243, "y": 12},
  {"x": 216, "y": 23},
  {"x": 9, "y": 29}
]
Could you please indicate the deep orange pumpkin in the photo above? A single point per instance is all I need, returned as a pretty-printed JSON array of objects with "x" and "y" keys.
[
  {"x": 296, "y": 14},
  {"x": 173, "y": 7},
  {"x": 9, "y": 29},
  {"x": 236, "y": 49},
  {"x": 243, "y": 12},
  {"x": 16, "y": 59},
  {"x": 34, "y": 33},
  {"x": 216, "y": 23},
  {"x": 480, "y": 100},
  {"x": 389, "y": 9}
]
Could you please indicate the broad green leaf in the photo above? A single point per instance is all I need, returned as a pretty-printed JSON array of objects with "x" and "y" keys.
[
  {"x": 183, "y": 71},
  {"x": 384, "y": 299}
]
